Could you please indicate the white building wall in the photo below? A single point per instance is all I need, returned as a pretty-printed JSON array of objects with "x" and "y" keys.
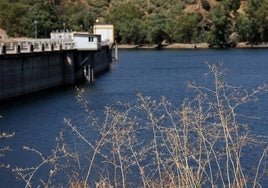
[
  {"x": 86, "y": 41},
  {"x": 106, "y": 31},
  {"x": 80, "y": 40}
]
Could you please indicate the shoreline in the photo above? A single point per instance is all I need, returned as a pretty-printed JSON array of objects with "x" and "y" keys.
[{"x": 187, "y": 46}]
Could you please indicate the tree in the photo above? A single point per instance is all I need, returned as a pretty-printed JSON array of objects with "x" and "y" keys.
[
  {"x": 127, "y": 20},
  {"x": 156, "y": 28},
  {"x": 231, "y": 5},
  {"x": 246, "y": 28},
  {"x": 187, "y": 28},
  {"x": 205, "y": 5},
  {"x": 139, "y": 21},
  {"x": 76, "y": 17},
  {"x": 253, "y": 25},
  {"x": 220, "y": 29},
  {"x": 45, "y": 15},
  {"x": 261, "y": 15},
  {"x": 13, "y": 20}
]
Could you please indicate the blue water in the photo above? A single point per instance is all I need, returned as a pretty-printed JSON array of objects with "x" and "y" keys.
[{"x": 37, "y": 119}]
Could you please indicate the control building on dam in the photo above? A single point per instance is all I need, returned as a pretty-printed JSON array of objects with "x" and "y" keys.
[{"x": 31, "y": 65}]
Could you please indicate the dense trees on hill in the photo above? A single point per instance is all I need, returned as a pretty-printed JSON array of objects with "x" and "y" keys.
[{"x": 221, "y": 23}]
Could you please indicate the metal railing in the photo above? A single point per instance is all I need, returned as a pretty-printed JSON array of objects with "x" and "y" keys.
[{"x": 34, "y": 45}]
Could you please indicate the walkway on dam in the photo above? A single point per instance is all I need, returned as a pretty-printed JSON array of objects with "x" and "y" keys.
[{"x": 34, "y": 45}]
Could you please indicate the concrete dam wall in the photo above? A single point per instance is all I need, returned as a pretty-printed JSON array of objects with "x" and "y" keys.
[{"x": 24, "y": 73}]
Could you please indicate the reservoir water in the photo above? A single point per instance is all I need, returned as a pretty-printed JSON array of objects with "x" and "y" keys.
[{"x": 38, "y": 118}]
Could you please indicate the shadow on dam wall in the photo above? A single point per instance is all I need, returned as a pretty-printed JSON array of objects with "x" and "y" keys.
[{"x": 24, "y": 73}]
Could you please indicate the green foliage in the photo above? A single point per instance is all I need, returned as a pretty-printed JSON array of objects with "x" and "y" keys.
[
  {"x": 13, "y": 20},
  {"x": 190, "y": 1},
  {"x": 220, "y": 29},
  {"x": 261, "y": 16},
  {"x": 246, "y": 28},
  {"x": 186, "y": 28},
  {"x": 231, "y": 5},
  {"x": 75, "y": 18},
  {"x": 255, "y": 23},
  {"x": 156, "y": 28},
  {"x": 127, "y": 20},
  {"x": 46, "y": 19},
  {"x": 205, "y": 5},
  {"x": 141, "y": 21}
]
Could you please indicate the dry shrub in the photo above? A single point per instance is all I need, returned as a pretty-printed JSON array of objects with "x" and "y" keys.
[
  {"x": 154, "y": 144},
  {"x": 5, "y": 149}
]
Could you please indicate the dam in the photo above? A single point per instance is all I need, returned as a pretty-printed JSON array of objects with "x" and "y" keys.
[{"x": 31, "y": 65}]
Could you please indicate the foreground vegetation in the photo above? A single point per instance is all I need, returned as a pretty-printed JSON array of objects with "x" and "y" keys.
[
  {"x": 202, "y": 143},
  {"x": 221, "y": 23}
]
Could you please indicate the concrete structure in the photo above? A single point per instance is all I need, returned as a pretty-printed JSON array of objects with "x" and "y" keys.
[
  {"x": 103, "y": 35},
  {"x": 86, "y": 41},
  {"x": 24, "y": 73},
  {"x": 33, "y": 45},
  {"x": 63, "y": 35},
  {"x": 106, "y": 31},
  {"x": 29, "y": 65},
  {"x": 78, "y": 40}
]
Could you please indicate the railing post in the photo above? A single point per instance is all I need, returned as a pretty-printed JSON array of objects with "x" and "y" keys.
[
  {"x": 31, "y": 48},
  {"x": 4, "y": 49},
  {"x": 18, "y": 50},
  {"x": 116, "y": 51}
]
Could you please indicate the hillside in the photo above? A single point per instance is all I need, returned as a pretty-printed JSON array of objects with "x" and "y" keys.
[{"x": 221, "y": 23}]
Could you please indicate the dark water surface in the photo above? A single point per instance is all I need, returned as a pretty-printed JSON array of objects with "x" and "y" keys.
[{"x": 37, "y": 119}]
